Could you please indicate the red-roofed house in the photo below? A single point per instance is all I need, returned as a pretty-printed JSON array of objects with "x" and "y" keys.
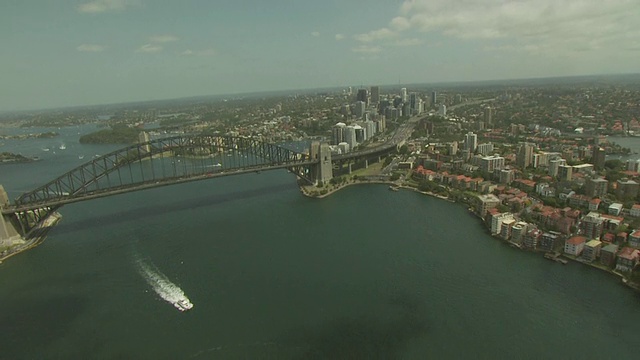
[
  {"x": 627, "y": 259},
  {"x": 574, "y": 245},
  {"x": 635, "y": 210},
  {"x": 634, "y": 239}
]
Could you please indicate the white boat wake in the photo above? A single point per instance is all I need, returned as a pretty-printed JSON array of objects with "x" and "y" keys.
[{"x": 161, "y": 284}]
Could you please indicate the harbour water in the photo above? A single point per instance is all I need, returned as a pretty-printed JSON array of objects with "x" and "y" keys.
[{"x": 365, "y": 273}]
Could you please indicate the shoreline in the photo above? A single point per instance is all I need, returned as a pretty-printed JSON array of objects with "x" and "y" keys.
[
  {"x": 39, "y": 235},
  {"x": 621, "y": 276}
]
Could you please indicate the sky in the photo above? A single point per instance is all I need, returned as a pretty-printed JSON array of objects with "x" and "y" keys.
[{"x": 56, "y": 53}]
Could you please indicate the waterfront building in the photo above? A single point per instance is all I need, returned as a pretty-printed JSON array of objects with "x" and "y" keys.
[
  {"x": 626, "y": 189},
  {"x": 470, "y": 142},
  {"x": 518, "y": 232},
  {"x": 608, "y": 255},
  {"x": 505, "y": 229},
  {"x": 574, "y": 245},
  {"x": 596, "y": 187},
  {"x": 497, "y": 220},
  {"x": 592, "y": 225},
  {"x": 591, "y": 250},
  {"x": 531, "y": 239},
  {"x": 548, "y": 241},
  {"x": 627, "y": 259},
  {"x": 487, "y": 202}
]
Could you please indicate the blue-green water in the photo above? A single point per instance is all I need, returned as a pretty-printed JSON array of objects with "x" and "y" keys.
[{"x": 366, "y": 273}]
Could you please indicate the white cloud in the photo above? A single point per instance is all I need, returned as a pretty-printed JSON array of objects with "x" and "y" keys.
[
  {"x": 163, "y": 38},
  {"x": 367, "y": 49},
  {"x": 408, "y": 42},
  {"x": 91, "y": 48},
  {"x": 149, "y": 48},
  {"x": 535, "y": 26},
  {"x": 315, "y": 34},
  {"x": 100, "y": 6},
  {"x": 339, "y": 37},
  {"x": 205, "y": 52}
]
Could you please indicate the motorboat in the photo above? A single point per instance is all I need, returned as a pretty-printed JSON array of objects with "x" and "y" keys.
[{"x": 183, "y": 304}]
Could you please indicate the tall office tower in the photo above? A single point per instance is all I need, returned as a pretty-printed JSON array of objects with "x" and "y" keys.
[
  {"x": 337, "y": 133},
  {"x": 524, "y": 158},
  {"x": 442, "y": 111},
  {"x": 363, "y": 95},
  {"x": 384, "y": 104},
  {"x": 598, "y": 158},
  {"x": 345, "y": 110},
  {"x": 434, "y": 98},
  {"x": 349, "y": 90},
  {"x": 403, "y": 94},
  {"x": 370, "y": 128},
  {"x": 470, "y": 142},
  {"x": 458, "y": 99},
  {"x": 487, "y": 115},
  {"x": 413, "y": 101},
  {"x": 360, "y": 108},
  {"x": 375, "y": 95},
  {"x": 350, "y": 136}
]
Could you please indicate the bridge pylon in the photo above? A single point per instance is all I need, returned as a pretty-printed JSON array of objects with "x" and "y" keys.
[
  {"x": 8, "y": 232},
  {"x": 322, "y": 172}
]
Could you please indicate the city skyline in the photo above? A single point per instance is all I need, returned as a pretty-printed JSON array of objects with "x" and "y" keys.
[{"x": 76, "y": 53}]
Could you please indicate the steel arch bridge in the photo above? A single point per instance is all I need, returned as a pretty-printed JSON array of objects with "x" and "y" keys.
[{"x": 156, "y": 163}]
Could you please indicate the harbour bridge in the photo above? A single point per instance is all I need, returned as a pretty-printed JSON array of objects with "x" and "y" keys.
[{"x": 168, "y": 161}]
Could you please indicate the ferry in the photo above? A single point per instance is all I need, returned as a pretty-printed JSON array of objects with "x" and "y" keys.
[
  {"x": 183, "y": 304},
  {"x": 62, "y": 147}
]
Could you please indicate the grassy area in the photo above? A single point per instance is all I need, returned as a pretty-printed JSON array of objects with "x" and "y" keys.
[{"x": 373, "y": 169}]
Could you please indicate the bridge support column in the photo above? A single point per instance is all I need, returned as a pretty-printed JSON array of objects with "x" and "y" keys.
[
  {"x": 8, "y": 233},
  {"x": 323, "y": 171}
]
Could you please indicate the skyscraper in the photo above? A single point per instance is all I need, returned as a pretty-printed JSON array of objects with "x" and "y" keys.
[
  {"x": 434, "y": 98},
  {"x": 470, "y": 142},
  {"x": 403, "y": 94},
  {"x": 487, "y": 115},
  {"x": 361, "y": 106},
  {"x": 337, "y": 133},
  {"x": 375, "y": 95},
  {"x": 363, "y": 95},
  {"x": 598, "y": 158},
  {"x": 442, "y": 111},
  {"x": 525, "y": 155}
]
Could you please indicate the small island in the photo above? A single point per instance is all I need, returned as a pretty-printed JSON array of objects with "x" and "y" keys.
[
  {"x": 117, "y": 134},
  {"x": 11, "y": 158}
]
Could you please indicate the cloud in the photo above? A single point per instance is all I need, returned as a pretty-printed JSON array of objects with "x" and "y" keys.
[
  {"x": 91, "y": 48},
  {"x": 535, "y": 26},
  {"x": 339, "y": 37},
  {"x": 367, "y": 49},
  {"x": 149, "y": 48},
  {"x": 163, "y": 38},
  {"x": 408, "y": 42},
  {"x": 205, "y": 52},
  {"x": 100, "y": 6},
  {"x": 315, "y": 34}
]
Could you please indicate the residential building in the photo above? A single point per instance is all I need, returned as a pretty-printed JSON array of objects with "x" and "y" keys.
[
  {"x": 337, "y": 133},
  {"x": 497, "y": 220},
  {"x": 554, "y": 165},
  {"x": 591, "y": 250},
  {"x": 634, "y": 239},
  {"x": 490, "y": 163},
  {"x": 485, "y": 149},
  {"x": 596, "y": 187},
  {"x": 599, "y": 157},
  {"x": 506, "y": 228},
  {"x": 614, "y": 209},
  {"x": 594, "y": 204},
  {"x": 531, "y": 239},
  {"x": 487, "y": 202},
  {"x": 626, "y": 189},
  {"x": 470, "y": 142},
  {"x": 608, "y": 255},
  {"x": 592, "y": 225},
  {"x": 565, "y": 173},
  {"x": 574, "y": 245},
  {"x": 525, "y": 155},
  {"x": 518, "y": 231},
  {"x": 488, "y": 116},
  {"x": 635, "y": 210},
  {"x": 548, "y": 241},
  {"x": 627, "y": 259}
]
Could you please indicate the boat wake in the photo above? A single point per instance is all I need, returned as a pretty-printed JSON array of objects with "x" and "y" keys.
[{"x": 161, "y": 284}]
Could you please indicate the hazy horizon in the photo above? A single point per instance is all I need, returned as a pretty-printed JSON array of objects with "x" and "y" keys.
[{"x": 89, "y": 52}]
